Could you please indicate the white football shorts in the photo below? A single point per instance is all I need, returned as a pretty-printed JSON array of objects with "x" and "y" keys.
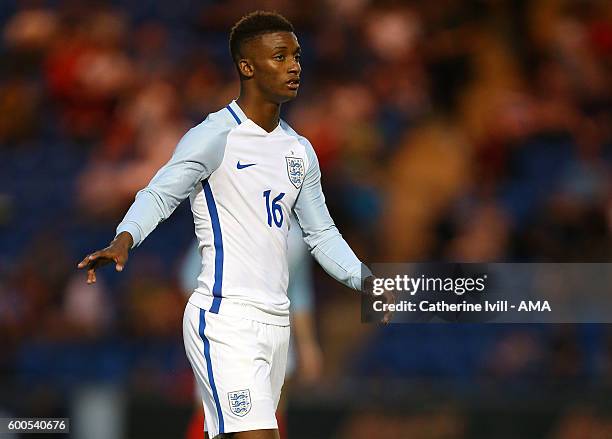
[{"x": 239, "y": 366}]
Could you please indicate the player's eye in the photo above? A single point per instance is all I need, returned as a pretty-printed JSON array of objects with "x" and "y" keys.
[
  {"x": 298, "y": 58},
  {"x": 279, "y": 57}
]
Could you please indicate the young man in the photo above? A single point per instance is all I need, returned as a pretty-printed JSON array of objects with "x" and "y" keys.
[{"x": 244, "y": 171}]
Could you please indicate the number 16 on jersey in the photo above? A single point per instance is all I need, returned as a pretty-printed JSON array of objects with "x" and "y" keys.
[{"x": 274, "y": 209}]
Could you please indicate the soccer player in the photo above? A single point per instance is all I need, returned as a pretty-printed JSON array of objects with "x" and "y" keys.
[{"x": 244, "y": 171}]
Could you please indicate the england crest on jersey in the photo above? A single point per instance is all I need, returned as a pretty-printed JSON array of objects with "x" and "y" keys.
[
  {"x": 240, "y": 402},
  {"x": 295, "y": 170}
]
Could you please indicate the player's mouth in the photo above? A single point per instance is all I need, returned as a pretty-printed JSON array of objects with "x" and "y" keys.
[{"x": 293, "y": 84}]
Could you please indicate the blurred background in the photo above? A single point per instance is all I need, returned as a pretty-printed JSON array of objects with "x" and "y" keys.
[{"x": 446, "y": 130}]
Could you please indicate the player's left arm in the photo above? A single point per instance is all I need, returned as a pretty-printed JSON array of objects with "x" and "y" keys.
[
  {"x": 321, "y": 235},
  {"x": 324, "y": 240}
]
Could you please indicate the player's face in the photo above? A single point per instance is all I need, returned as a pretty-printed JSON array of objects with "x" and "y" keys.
[{"x": 276, "y": 65}]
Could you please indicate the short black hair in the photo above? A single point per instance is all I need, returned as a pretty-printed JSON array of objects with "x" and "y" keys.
[{"x": 253, "y": 25}]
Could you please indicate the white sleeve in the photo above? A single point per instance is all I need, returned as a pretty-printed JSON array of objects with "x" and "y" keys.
[
  {"x": 197, "y": 155},
  {"x": 320, "y": 233}
]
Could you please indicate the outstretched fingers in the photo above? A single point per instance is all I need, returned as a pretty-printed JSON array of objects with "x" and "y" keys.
[
  {"x": 116, "y": 252},
  {"x": 119, "y": 262},
  {"x": 89, "y": 260},
  {"x": 98, "y": 259},
  {"x": 91, "y": 276}
]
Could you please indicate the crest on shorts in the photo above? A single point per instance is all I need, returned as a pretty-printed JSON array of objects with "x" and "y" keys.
[
  {"x": 295, "y": 170},
  {"x": 240, "y": 402}
]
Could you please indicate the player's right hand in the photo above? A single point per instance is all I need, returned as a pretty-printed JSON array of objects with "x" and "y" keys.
[{"x": 116, "y": 252}]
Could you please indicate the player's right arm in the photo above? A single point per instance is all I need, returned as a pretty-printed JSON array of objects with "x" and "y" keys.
[
  {"x": 197, "y": 155},
  {"x": 117, "y": 252}
]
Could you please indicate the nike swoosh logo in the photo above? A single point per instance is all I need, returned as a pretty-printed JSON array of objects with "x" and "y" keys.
[{"x": 239, "y": 166}]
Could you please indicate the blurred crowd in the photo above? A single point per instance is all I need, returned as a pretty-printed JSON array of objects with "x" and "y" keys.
[{"x": 475, "y": 130}]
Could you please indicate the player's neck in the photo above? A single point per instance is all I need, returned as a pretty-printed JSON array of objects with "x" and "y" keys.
[{"x": 264, "y": 113}]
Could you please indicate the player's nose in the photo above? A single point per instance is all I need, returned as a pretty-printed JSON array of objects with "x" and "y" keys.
[{"x": 295, "y": 68}]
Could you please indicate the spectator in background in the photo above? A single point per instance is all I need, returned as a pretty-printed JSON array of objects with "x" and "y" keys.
[{"x": 87, "y": 71}]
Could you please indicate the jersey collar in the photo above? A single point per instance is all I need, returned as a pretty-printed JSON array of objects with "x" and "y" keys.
[
  {"x": 236, "y": 108},
  {"x": 243, "y": 117}
]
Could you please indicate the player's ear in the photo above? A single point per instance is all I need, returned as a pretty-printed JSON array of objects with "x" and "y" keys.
[{"x": 245, "y": 67}]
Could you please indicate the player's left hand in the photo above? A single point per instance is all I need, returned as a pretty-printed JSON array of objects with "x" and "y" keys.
[{"x": 387, "y": 297}]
